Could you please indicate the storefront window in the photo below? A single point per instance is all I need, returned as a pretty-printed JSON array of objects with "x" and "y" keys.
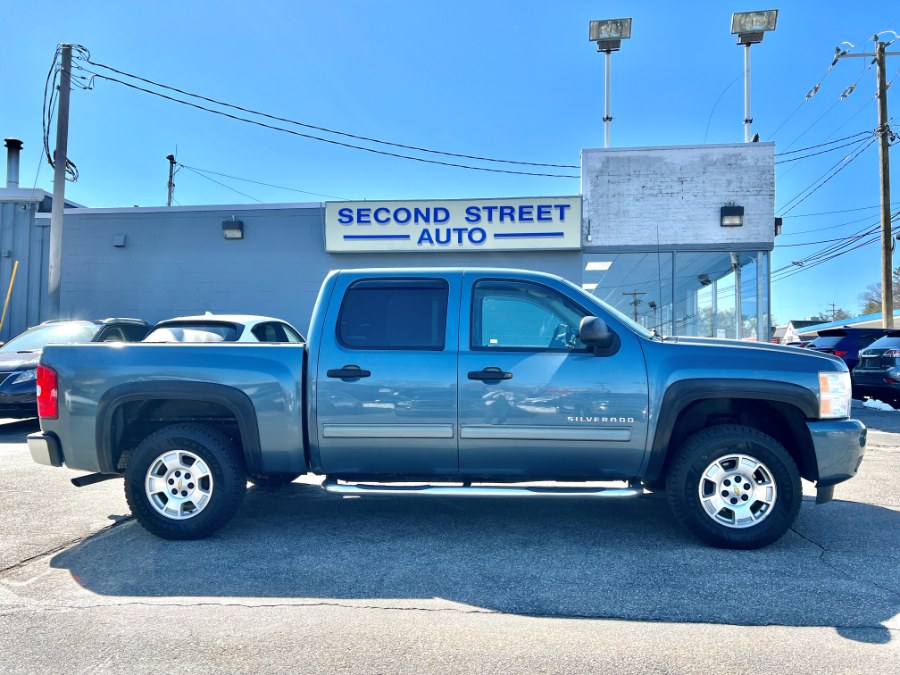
[{"x": 696, "y": 293}]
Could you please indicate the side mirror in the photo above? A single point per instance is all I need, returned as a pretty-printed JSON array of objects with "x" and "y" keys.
[{"x": 595, "y": 333}]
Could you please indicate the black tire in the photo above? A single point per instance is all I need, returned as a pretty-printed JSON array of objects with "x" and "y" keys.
[
  {"x": 777, "y": 481},
  {"x": 224, "y": 481},
  {"x": 272, "y": 480}
]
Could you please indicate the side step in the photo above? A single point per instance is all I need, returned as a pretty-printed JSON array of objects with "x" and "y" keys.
[{"x": 634, "y": 489}]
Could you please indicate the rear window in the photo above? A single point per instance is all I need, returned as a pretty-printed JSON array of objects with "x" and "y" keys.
[
  {"x": 886, "y": 343},
  {"x": 829, "y": 342},
  {"x": 194, "y": 332},
  {"x": 394, "y": 314}
]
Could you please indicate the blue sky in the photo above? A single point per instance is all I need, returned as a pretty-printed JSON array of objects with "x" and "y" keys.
[{"x": 506, "y": 79}]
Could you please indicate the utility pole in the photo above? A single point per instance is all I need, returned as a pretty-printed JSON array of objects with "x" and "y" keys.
[
  {"x": 884, "y": 134},
  {"x": 171, "y": 183},
  {"x": 635, "y": 301},
  {"x": 833, "y": 311},
  {"x": 54, "y": 272}
]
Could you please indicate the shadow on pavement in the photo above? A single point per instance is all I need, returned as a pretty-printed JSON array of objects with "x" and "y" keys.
[{"x": 573, "y": 558}]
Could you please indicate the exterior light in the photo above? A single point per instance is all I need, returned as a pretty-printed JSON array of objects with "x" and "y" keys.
[
  {"x": 732, "y": 216},
  {"x": 704, "y": 280},
  {"x": 750, "y": 28},
  {"x": 608, "y": 34},
  {"x": 233, "y": 229},
  {"x": 652, "y": 305}
]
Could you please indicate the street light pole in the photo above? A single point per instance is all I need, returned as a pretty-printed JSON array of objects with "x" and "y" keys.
[
  {"x": 607, "y": 118},
  {"x": 747, "y": 119}
]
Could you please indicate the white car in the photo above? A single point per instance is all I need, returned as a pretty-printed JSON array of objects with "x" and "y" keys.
[{"x": 224, "y": 328}]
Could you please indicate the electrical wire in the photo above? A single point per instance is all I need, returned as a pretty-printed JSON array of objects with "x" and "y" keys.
[
  {"x": 320, "y": 128},
  {"x": 256, "y": 182},
  {"x": 822, "y": 145},
  {"x": 328, "y": 140},
  {"x": 809, "y": 191},
  {"x": 227, "y": 187},
  {"x": 822, "y": 229},
  {"x": 828, "y": 213},
  {"x": 821, "y": 152}
]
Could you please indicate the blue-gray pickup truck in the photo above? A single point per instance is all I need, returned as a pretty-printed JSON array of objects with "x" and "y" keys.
[{"x": 479, "y": 382}]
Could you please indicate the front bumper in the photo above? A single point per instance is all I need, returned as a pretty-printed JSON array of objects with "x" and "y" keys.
[
  {"x": 839, "y": 446},
  {"x": 45, "y": 449}
]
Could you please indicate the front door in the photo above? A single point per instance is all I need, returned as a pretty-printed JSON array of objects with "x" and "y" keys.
[
  {"x": 386, "y": 385},
  {"x": 534, "y": 401}
]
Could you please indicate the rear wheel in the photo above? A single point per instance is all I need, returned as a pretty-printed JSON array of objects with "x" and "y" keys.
[
  {"x": 185, "y": 481},
  {"x": 734, "y": 487}
]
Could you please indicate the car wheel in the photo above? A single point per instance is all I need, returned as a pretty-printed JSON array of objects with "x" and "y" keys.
[
  {"x": 185, "y": 481},
  {"x": 272, "y": 480},
  {"x": 734, "y": 487}
]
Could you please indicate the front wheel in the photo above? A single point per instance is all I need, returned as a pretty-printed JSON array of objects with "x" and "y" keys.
[
  {"x": 185, "y": 481},
  {"x": 734, "y": 487}
]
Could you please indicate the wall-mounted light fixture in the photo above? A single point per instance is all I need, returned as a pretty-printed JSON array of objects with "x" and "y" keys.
[
  {"x": 119, "y": 240},
  {"x": 651, "y": 305},
  {"x": 233, "y": 229},
  {"x": 778, "y": 222},
  {"x": 704, "y": 280},
  {"x": 732, "y": 216}
]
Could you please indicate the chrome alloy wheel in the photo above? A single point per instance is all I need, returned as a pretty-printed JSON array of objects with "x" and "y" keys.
[
  {"x": 179, "y": 484},
  {"x": 737, "y": 491}
]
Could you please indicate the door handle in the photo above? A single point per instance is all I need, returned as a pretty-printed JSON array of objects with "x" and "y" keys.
[
  {"x": 489, "y": 374},
  {"x": 348, "y": 373}
]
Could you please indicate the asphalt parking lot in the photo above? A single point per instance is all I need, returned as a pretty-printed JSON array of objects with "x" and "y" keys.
[{"x": 302, "y": 581}]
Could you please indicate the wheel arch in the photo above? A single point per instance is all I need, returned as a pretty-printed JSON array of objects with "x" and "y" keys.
[
  {"x": 133, "y": 404},
  {"x": 778, "y": 409}
]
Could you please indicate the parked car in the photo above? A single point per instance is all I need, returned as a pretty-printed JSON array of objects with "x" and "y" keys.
[
  {"x": 877, "y": 374},
  {"x": 19, "y": 357},
  {"x": 845, "y": 342},
  {"x": 224, "y": 328}
]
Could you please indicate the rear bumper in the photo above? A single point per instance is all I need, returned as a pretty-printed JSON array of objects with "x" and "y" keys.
[
  {"x": 45, "y": 449},
  {"x": 839, "y": 446}
]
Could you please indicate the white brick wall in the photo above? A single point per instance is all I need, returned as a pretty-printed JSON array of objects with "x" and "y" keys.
[{"x": 630, "y": 192}]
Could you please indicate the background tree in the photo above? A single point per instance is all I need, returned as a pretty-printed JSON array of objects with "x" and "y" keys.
[{"x": 870, "y": 299}]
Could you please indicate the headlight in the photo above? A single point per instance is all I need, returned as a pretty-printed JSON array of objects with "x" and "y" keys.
[
  {"x": 834, "y": 395},
  {"x": 25, "y": 376}
]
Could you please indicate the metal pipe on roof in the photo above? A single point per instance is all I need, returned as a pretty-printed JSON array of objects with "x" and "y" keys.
[{"x": 14, "y": 146}]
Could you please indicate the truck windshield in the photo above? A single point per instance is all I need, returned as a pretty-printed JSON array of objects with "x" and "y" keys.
[{"x": 67, "y": 332}]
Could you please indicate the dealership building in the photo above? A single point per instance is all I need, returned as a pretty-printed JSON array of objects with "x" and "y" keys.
[{"x": 677, "y": 237}]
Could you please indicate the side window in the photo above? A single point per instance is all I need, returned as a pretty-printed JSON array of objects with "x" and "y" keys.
[
  {"x": 267, "y": 332},
  {"x": 518, "y": 315},
  {"x": 394, "y": 314},
  {"x": 134, "y": 332},
  {"x": 291, "y": 335},
  {"x": 111, "y": 334}
]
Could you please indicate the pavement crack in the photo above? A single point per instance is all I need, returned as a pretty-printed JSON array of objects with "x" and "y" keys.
[
  {"x": 62, "y": 547},
  {"x": 823, "y": 551}
]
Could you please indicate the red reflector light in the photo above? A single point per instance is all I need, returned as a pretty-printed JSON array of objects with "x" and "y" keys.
[
  {"x": 838, "y": 352},
  {"x": 47, "y": 393},
  {"x": 891, "y": 380}
]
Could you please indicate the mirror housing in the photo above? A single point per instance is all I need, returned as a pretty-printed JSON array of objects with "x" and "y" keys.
[{"x": 594, "y": 333}]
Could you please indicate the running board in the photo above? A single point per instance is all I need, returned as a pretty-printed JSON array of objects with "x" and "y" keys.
[{"x": 330, "y": 485}]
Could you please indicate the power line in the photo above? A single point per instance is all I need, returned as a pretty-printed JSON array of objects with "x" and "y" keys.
[
  {"x": 828, "y": 213},
  {"x": 822, "y": 229},
  {"x": 320, "y": 128},
  {"x": 821, "y": 152},
  {"x": 327, "y": 140},
  {"x": 843, "y": 163},
  {"x": 227, "y": 187},
  {"x": 249, "y": 180},
  {"x": 821, "y": 145}
]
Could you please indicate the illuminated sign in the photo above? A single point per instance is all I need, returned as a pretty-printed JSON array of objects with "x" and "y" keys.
[{"x": 516, "y": 224}]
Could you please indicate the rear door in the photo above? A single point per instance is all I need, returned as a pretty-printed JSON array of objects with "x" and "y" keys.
[{"x": 386, "y": 380}]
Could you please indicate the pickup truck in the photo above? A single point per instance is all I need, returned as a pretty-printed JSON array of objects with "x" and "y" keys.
[{"x": 470, "y": 382}]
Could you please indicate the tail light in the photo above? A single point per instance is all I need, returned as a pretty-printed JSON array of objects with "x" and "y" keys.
[
  {"x": 47, "y": 393},
  {"x": 838, "y": 352}
]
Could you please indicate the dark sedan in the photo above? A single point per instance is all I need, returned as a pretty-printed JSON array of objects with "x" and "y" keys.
[{"x": 20, "y": 356}]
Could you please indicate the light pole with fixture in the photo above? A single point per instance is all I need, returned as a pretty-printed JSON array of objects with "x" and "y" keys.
[
  {"x": 750, "y": 28},
  {"x": 608, "y": 34}
]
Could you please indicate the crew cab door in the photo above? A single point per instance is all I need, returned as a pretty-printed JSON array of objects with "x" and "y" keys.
[
  {"x": 386, "y": 380},
  {"x": 534, "y": 401}
]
